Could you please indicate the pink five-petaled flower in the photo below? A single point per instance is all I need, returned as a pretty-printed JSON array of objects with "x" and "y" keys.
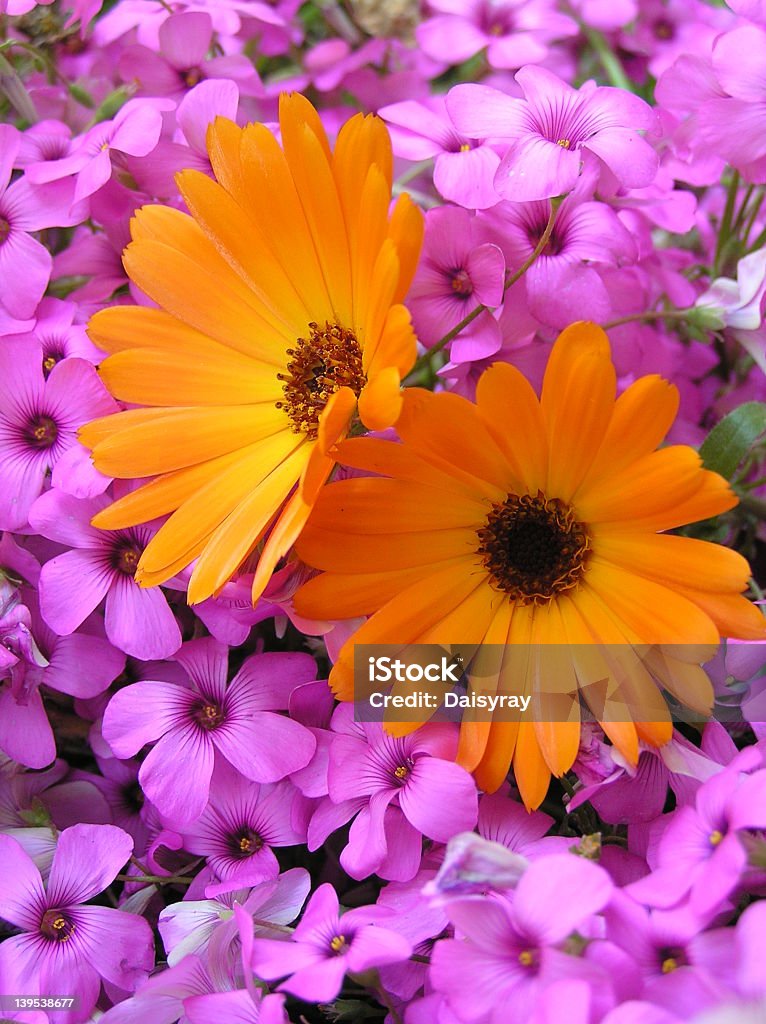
[
  {"x": 508, "y": 953},
  {"x": 554, "y": 129},
  {"x": 700, "y": 853},
  {"x": 211, "y": 719},
  {"x": 101, "y": 565},
  {"x": 326, "y": 945},
  {"x": 66, "y": 948},
  {"x": 398, "y": 789},
  {"x": 459, "y": 268},
  {"x": 39, "y": 419},
  {"x": 239, "y": 827}
]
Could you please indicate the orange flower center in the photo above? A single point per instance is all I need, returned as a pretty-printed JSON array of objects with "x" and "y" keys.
[
  {"x": 533, "y": 547},
  {"x": 329, "y": 359}
]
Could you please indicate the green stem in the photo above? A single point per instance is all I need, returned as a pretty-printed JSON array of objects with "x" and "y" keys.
[
  {"x": 751, "y": 218},
  {"x": 610, "y": 62},
  {"x": 414, "y": 171},
  {"x": 724, "y": 230},
  {"x": 743, "y": 209},
  {"x": 157, "y": 879},
  {"x": 647, "y": 317},
  {"x": 510, "y": 279},
  {"x": 15, "y": 90},
  {"x": 752, "y": 504}
]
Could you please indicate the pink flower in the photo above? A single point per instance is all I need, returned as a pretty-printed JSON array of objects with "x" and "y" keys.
[
  {"x": 514, "y": 32},
  {"x": 241, "y": 825},
  {"x": 397, "y": 789},
  {"x": 39, "y": 420},
  {"x": 565, "y": 282},
  {"x": 182, "y": 62},
  {"x": 463, "y": 167},
  {"x": 25, "y": 263},
  {"x": 64, "y": 946},
  {"x": 458, "y": 270},
  {"x": 325, "y": 945},
  {"x": 135, "y": 130},
  {"x": 554, "y": 130},
  {"x": 208, "y": 720},
  {"x": 101, "y": 565}
]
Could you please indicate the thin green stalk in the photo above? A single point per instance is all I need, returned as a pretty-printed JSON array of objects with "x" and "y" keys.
[
  {"x": 647, "y": 317},
  {"x": 13, "y": 87},
  {"x": 610, "y": 62},
  {"x": 751, "y": 218},
  {"x": 511, "y": 279},
  {"x": 724, "y": 230}
]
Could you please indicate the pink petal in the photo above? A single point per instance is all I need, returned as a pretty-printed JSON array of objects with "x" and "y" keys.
[
  {"x": 373, "y": 946},
  {"x": 23, "y": 479},
  {"x": 451, "y": 39},
  {"x": 200, "y": 107},
  {"x": 119, "y": 945},
  {"x": 265, "y": 747},
  {"x": 556, "y": 894},
  {"x": 141, "y": 713},
  {"x": 25, "y": 732},
  {"x": 21, "y": 887},
  {"x": 534, "y": 168},
  {"x": 139, "y": 621},
  {"x": 481, "y": 112},
  {"x": 25, "y": 269},
  {"x": 439, "y": 798},
  {"x": 185, "y": 38},
  {"x": 266, "y": 681},
  {"x": 628, "y": 156},
  {"x": 66, "y": 520},
  {"x": 86, "y": 860},
  {"x": 467, "y": 178},
  {"x": 82, "y": 665},
  {"x": 72, "y": 585},
  {"x": 181, "y": 754}
]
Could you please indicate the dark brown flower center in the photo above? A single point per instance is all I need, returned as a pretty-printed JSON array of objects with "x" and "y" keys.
[
  {"x": 5, "y": 229},
  {"x": 192, "y": 77},
  {"x": 533, "y": 547},
  {"x": 126, "y": 559},
  {"x": 56, "y": 925},
  {"x": 339, "y": 944},
  {"x": 42, "y": 432},
  {"x": 246, "y": 842},
  {"x": 209, "y": 715},
  {"x": 329, "y": 359}
]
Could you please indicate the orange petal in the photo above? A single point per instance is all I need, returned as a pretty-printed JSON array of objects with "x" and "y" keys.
[{"x": 380, "y": 402}]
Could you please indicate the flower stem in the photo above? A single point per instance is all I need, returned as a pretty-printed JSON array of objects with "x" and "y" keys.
[
  {"x": 724, "y": 230},
  {"x": 510, "y": 279},
  {"x": 610, "y": 62},
  {"x": 647, "y": 316},
  {"x": 157, "y": 879}
]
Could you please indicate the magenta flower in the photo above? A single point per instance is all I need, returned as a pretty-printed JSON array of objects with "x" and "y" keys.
[
  {"x": 188, "y": 927},
  {"x": 514, "y": 32},
  {"x": 458, "y": 269},
  {"x": 238, "y": 829},
  {"x": 326, "y": 945},
  {"x": 182, "y": 62},
  {"x": 196, "y": 111},
  {"x": 65, "y": 947},
  {"x": 464, "y": 167},
  {"x": 700, "y": 852},
  {"x": 398, "y": 789},
  {"x": 554, "y": 129},
  {"x": 59, "y": 336},
  {"x": 39, "y": 420},
  {"x": 684, "y": 967},
  {"x": 565, "y": 283},
  {"x": 509, "y": 952},
  {"x": 25, "y": 263},
  {"x": 730, "y": 124},
  {"x": 101, "y": 566},
  {"x": 208, "y": 720},
  {"x": 135, "y": 130}
]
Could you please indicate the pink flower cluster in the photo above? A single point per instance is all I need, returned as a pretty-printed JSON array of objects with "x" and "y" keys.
[{"x": 190, "y": 827}]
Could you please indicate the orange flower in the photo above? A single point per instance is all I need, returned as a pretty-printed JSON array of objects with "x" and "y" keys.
[
  {"x": 280, "y": 309},
  {"x": 518, "y": 521}
]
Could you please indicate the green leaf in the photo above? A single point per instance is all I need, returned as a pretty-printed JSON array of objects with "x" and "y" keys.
[{"x": 730, "y": 440}]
